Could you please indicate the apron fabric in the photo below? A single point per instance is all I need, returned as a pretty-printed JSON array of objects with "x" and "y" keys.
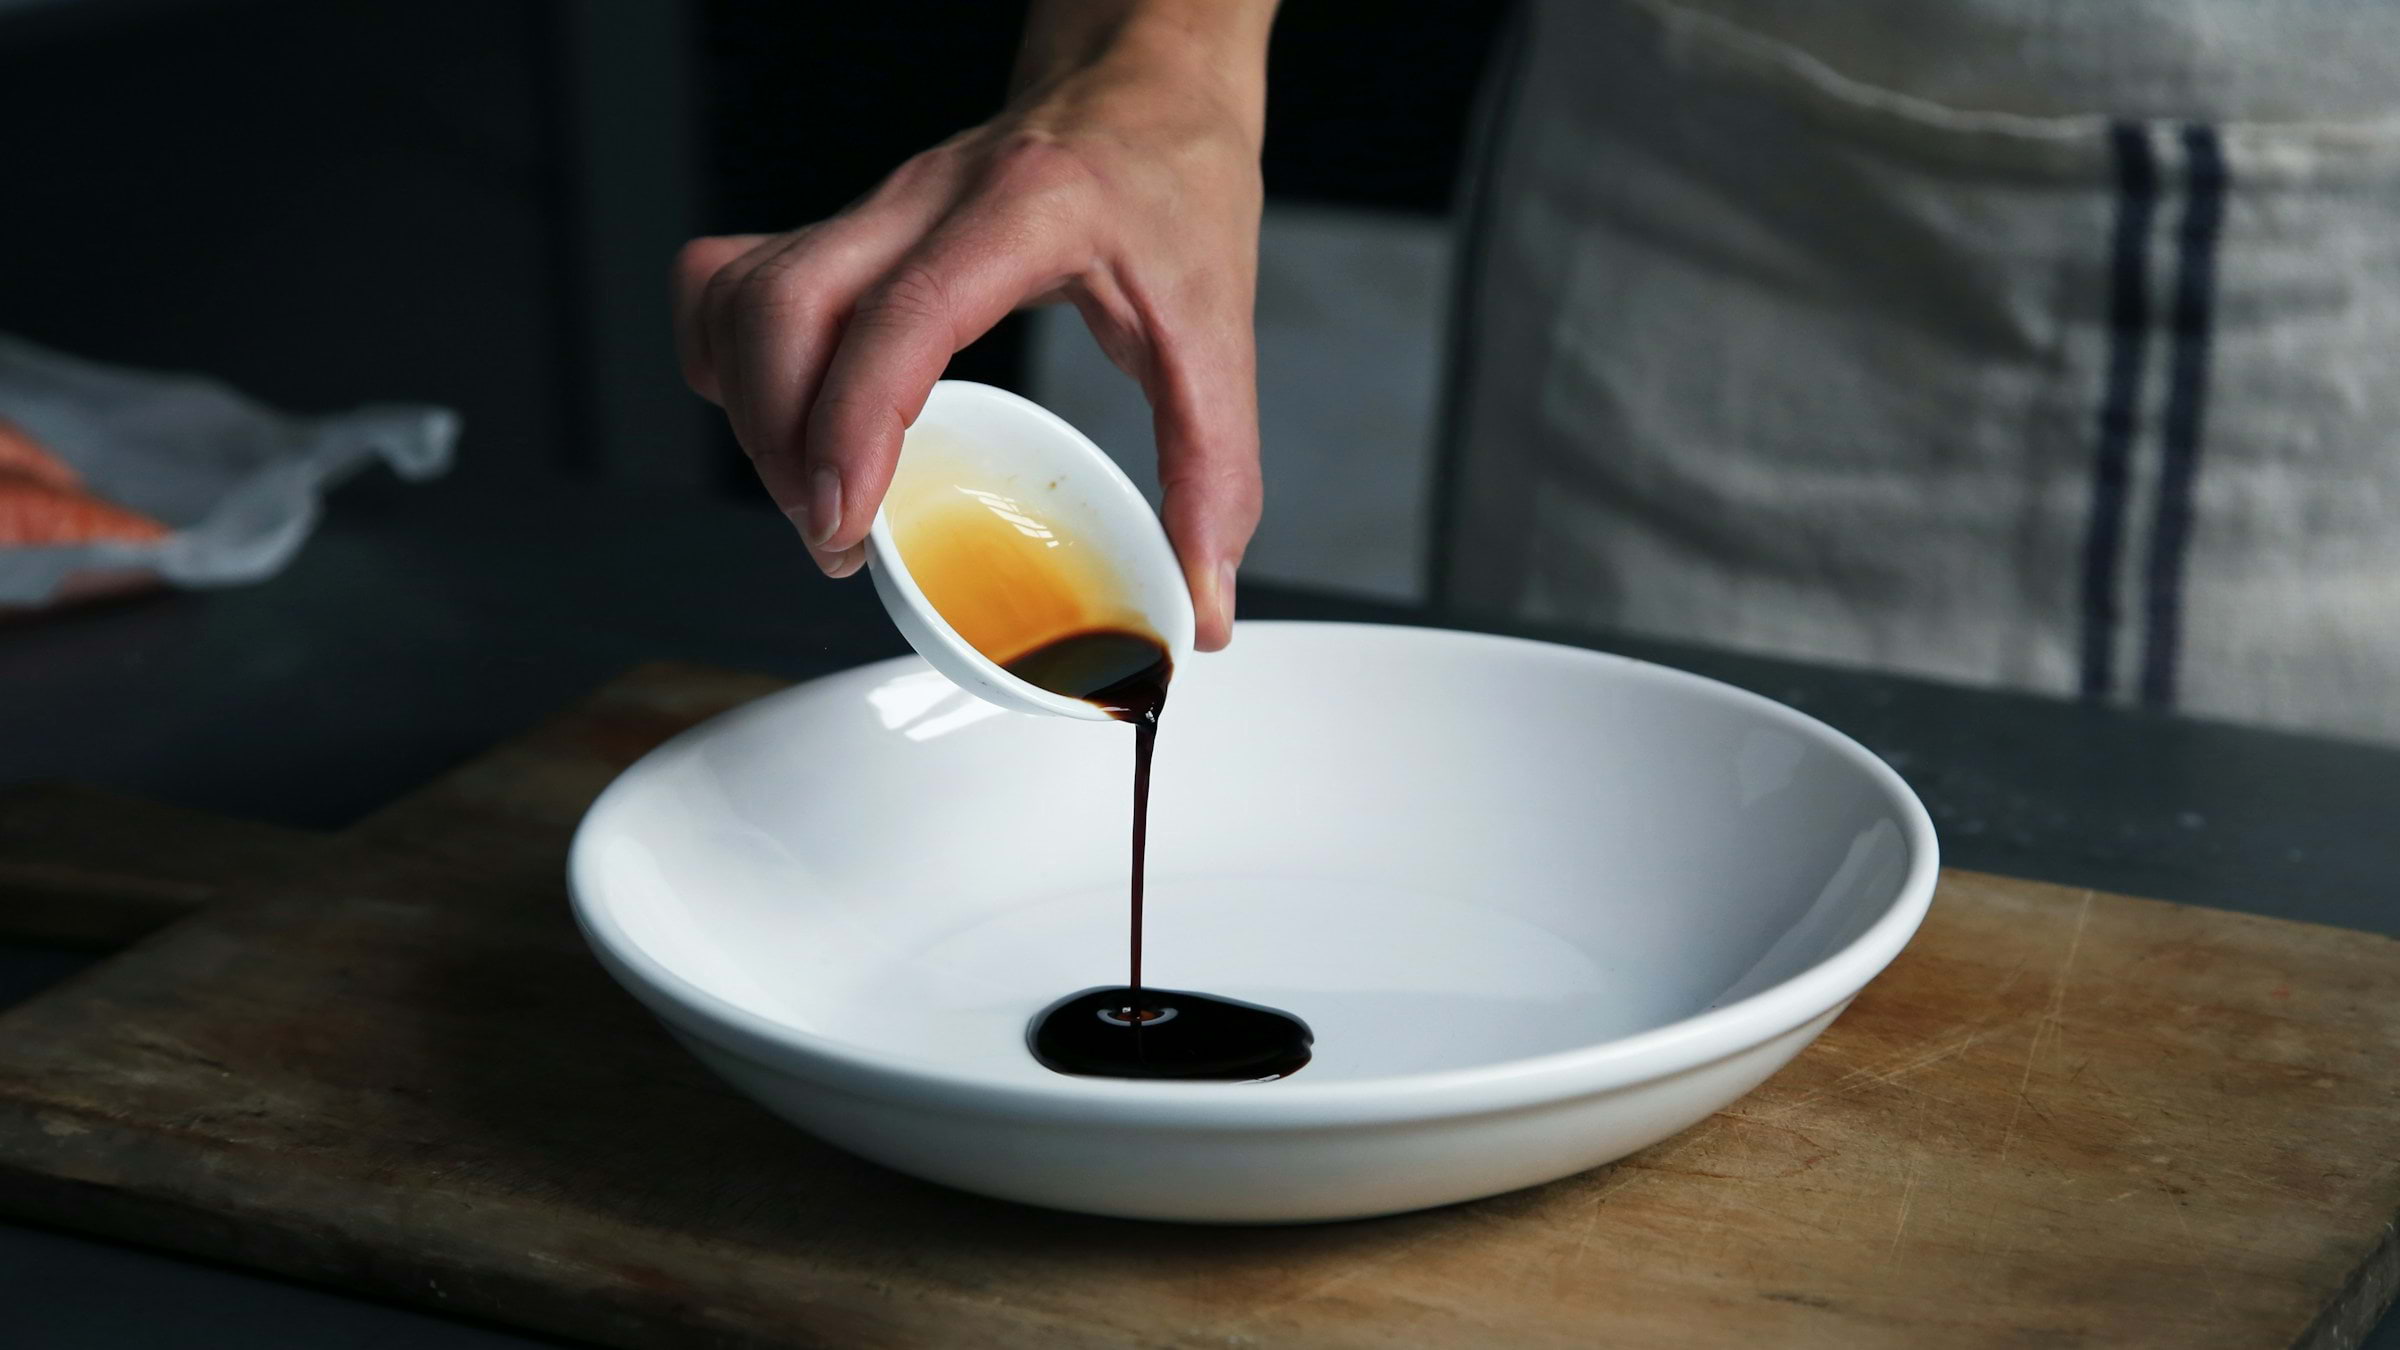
[{"x": 2062, "y": 360}]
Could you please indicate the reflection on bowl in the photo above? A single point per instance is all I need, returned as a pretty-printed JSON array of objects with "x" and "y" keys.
[{"x": 1541, "y": 906}]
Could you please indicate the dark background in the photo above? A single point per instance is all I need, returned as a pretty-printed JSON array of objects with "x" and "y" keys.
[{"x": 472, "y": 202}]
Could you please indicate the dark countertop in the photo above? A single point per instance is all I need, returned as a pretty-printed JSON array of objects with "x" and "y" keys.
[{"x": 422, "y": 625}]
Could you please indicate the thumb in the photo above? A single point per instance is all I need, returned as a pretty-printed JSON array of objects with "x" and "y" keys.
[{"x": 1203, "y": 388}]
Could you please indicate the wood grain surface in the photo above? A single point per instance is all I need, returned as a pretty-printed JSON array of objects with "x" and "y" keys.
[
  {"x": 2060, "y": 1118},
  {"x": 84, "y": 868}
]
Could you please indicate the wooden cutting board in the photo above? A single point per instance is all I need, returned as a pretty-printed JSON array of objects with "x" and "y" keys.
[{"x": 2060, "y": 1118}]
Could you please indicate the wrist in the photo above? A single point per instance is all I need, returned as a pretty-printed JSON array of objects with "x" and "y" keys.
[{"x": 1159, "y": 52}]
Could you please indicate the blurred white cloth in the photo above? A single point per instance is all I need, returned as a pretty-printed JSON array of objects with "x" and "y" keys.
[
  {"x": 237, "y": 482},
  {"x": 2220, "y": 60},
  {"x": 1760, "y": 353}
]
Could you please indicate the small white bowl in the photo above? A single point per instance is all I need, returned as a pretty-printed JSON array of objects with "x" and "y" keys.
[
  {"x": 1542, "y": 907},
  {"x": 975, "y": 438}
]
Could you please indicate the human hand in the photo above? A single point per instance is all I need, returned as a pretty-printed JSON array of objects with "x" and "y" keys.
[{"x": 1124, "y": 179}]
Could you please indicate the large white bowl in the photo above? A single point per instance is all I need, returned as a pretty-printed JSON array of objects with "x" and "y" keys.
[{"x": 1541, "y": 906}]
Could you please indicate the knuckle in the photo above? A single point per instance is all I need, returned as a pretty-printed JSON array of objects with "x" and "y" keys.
[
  {"x": 917, "y": 172},
  {"x": 1033, "y": 164},
  {"x": 699, "y": 260},
  {"x": 694, "y": 264},
  {"x": 770, "y": 274},
  {"x": 1230, "y": 482},
  {"x": 721, "y": 287},
  {"x": 912, "y": 295},
  {"x": 779, "y": 289}
]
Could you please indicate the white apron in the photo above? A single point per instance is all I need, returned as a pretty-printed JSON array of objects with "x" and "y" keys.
[{"x": 2063, "y": 354}]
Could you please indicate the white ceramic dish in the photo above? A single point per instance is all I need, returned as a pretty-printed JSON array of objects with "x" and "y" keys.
[
  {"x": 1542, "y": 907},
  {"x": 1025, "y": 462}
]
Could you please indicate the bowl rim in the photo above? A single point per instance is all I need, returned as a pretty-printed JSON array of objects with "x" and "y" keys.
[{"x": 1675, "y": 1047}]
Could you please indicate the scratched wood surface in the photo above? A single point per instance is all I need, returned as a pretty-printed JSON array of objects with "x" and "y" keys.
[
  {"x": 84, "y": 868},
  {"x": 2059, "y": 1119}
]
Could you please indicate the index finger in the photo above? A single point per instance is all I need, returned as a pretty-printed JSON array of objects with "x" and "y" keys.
[{"x": 966, "y": 277}]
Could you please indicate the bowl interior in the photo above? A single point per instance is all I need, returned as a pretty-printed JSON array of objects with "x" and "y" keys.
[
  {"x": 1005, "y": 528},
  {"x": 1440, "y": 850}
]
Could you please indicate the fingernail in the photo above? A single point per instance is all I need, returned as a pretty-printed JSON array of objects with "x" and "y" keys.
[
  {"x": 824, "y": 505},
  {"x": 1225, "y": 590},
  {"x": 839, "y": 565}
]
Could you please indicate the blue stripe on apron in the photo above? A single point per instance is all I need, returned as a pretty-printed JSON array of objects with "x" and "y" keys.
[
  {"x": 2129, "y": 331},
  {"x": 2180, "y": 423},
  {"x": 2187, "y": 397}
]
